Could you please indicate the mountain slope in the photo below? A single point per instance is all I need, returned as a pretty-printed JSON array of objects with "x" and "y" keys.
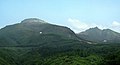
[
  {"x": 100, "y": 36},
  {"x": 35, "y": 42},
  {"x": 32, "y": 31}
]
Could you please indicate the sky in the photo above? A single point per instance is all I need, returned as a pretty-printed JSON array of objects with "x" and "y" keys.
[{"x": 78, "y": 15}]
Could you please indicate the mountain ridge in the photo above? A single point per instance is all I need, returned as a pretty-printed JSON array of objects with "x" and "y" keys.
[
  {"x": 21, "y": 33},
  {"x": 98, "y": 35}
]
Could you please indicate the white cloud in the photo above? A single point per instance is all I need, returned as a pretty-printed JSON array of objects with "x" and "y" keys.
[
  {"x": 115, "y": 23},
  {"x": 115, "y": 26},
  {"x": 78, "y": 26}
]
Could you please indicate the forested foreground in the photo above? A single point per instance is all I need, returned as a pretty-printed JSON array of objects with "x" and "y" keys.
[{"x": 81, "y": 54}]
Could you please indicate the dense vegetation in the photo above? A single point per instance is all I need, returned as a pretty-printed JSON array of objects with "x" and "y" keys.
[{"x": 80, "y": 54}]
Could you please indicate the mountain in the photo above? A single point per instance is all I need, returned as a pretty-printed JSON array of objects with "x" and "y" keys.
[
  {"x": 36, "y": 42},
  {"x": 100, "y": 36},
  {"x": 33, "y": 31}
]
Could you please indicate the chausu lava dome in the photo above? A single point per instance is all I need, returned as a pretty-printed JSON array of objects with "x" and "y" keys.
[{"x": 33, "y": 20}]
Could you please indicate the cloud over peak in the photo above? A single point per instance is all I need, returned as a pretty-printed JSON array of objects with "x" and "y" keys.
[
  {"x": 78, "y": 25},
  {"x": 115, "y": 23}
]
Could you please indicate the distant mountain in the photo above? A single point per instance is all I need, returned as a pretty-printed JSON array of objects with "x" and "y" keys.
[
  {"x": 100, "y": 36},
  {"x": 33, "y": 31}
]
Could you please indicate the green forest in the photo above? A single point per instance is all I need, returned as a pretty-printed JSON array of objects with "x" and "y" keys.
[{"x": 80, "y": 54}]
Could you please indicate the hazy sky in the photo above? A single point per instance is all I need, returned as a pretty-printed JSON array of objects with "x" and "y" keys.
[{"x": 79, "y": 15}]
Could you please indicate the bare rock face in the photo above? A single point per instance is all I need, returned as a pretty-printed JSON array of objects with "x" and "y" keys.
[{"x": 33, "y": 20}]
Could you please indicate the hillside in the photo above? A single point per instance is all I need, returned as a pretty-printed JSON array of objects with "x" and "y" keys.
[
  {"x": 100, "y": 36},
  {"x": 33, "y": 31}
]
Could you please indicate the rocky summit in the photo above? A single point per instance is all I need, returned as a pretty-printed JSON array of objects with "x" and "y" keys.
[{"x": 33, "y": 20}]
